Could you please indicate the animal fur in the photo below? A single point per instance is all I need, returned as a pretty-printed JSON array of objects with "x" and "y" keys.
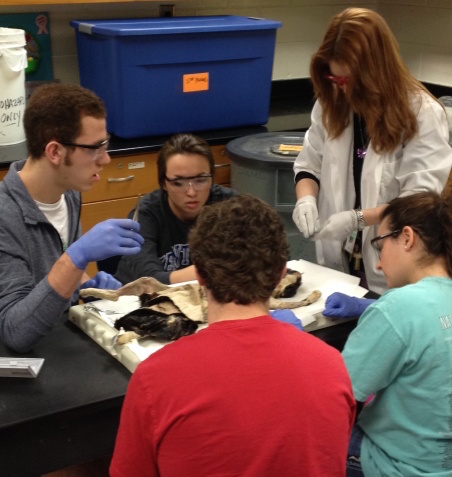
[
  {"x": 288, "y": 285},
  {"x": 169, "y": 313},
  {"x": 148, "y": 323}
]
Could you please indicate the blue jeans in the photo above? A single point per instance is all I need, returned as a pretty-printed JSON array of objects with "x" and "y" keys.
[{"x": 354, "y": 453}]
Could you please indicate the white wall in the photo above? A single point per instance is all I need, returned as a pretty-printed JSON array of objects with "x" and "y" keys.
[
  {"x": 423, "y": 28},
  {"x": 424, "y": 31}
]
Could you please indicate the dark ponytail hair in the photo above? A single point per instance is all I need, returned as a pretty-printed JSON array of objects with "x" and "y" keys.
[
  {"x": 184, "y": 143},
  {"x": 430, "y": 215}
]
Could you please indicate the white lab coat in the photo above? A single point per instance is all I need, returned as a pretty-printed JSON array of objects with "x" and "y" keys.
[{"x": 421, "y": 164}]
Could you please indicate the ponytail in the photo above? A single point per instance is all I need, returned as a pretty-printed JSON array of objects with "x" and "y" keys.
[{"x": 430, "y": 215}]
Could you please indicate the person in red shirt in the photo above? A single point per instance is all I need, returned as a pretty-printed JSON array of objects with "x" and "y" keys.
[{"x": 248, "y": 395}]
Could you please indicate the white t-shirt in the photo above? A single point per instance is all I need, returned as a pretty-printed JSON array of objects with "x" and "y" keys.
[{"x": 57, "y": 215}]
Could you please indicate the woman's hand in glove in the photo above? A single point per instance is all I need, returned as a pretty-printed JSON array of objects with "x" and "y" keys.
[
  {"x": 306, "y": 215},
  {"x": 338, "y": 227},
  {"x": 339, "y": 305}
]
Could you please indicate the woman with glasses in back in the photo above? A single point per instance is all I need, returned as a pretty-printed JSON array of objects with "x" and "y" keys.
[
  {"x": 376, "y": 133},
  {"x": 401, "y": 350},
  {"x": 185, "y": 169}
]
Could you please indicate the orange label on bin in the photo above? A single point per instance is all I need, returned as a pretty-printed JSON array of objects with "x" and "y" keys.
[{"x": 195, "y": 82}]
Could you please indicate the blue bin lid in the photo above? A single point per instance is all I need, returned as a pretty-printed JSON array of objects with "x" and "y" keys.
[{"x": 173, "y": 25}]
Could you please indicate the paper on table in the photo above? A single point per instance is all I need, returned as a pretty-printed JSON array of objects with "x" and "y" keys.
[
  {"x": 145, "y": 347},
  {"x": 327, "y": 280},
  {"x": 110, "y": 311},
  {"x": 315, "y": 277}
]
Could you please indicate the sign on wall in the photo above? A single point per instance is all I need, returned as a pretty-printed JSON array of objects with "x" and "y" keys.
[{"x": 37, "y": 36}]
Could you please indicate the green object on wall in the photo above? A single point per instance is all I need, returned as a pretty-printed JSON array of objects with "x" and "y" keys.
[{"x": 37, "y": 37}]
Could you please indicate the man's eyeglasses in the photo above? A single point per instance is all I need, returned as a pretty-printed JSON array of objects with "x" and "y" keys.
[
  {"x": 182, "y": 184},
  {"x": 377, "y": 241},
  {"x": 339, "y": 80},
  {"x": 98, "y": 149}
]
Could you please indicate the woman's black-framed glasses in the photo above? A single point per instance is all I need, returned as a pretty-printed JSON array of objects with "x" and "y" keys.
[
  {"x": 99, "y": 149},
  {"x": 182, "y": 184},
  {"x": 376, "y": 242}
]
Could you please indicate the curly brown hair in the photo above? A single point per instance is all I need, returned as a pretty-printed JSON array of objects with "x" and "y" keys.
[
  {"x": 430, "y": 215},
  {"x": 54, "y": 113},
  {"x": 184, "y": 143},
  {"x": 239, "y": 247},
  {"x": 381, "y": 88}
]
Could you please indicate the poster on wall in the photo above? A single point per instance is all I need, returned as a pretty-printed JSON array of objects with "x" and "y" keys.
[{"x": 37, "y": 37}]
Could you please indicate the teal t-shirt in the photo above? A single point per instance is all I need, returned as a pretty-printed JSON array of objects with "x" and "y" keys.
[{"x": 401, "y": 351}]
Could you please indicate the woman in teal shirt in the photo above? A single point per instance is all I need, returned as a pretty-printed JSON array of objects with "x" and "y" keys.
[{"x": 401, "y": 351}]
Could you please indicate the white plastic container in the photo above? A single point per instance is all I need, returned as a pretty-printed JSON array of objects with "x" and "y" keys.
[{"x": 13, "y": 62}]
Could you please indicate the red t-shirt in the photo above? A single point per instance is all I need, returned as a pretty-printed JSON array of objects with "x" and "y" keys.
[{"x": 252, "y": 397}]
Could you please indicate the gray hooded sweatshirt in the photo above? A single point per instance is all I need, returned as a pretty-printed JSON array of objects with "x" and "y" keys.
[{"x": 29, "y": 247}]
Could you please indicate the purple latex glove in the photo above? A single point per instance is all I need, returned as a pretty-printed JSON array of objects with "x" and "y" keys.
[
  {"x": 104, "y": 281},
  {"x": 339, "y": 305},
  {"x": 287, "y": 316}
]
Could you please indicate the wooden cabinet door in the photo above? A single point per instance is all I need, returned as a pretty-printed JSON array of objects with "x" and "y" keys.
[
  {"x": 115, "y": 195},
  {"x": 125, "y": 176},
  {"x": 96, "y": 212},
  {"x": 222, "y": 174},
  {"x": 3, "y": 173}
]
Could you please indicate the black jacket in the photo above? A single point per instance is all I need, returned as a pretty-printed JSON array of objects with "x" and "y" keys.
[{"x": 165, "y": 247}]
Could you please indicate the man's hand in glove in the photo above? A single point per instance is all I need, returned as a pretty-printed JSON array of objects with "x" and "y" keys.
[
  {"x": 102, "y": 280},
  {"x": 287, "y": 316},
  {"x": 106, "y": 239}
]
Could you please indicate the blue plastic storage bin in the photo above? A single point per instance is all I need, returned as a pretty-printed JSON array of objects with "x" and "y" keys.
[{"x": 182, "y": 74}]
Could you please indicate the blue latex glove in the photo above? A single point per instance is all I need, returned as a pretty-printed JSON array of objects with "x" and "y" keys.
[
  {"x": 287, "y": 316},
  {"x": 102, "y": 280},
  {"x": 104, "y": 240},
  {"x": 339, "y": 305}
]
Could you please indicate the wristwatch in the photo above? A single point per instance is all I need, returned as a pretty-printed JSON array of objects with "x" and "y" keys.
[{"x": 361, "y": 222}]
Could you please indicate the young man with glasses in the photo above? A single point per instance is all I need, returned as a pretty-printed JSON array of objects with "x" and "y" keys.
[
  {"x": 43, "y": 255},
  {"x": 185, "y": 169}
]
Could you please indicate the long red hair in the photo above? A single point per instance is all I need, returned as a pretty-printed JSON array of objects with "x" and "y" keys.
[{"x": 381, "y": 89}]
